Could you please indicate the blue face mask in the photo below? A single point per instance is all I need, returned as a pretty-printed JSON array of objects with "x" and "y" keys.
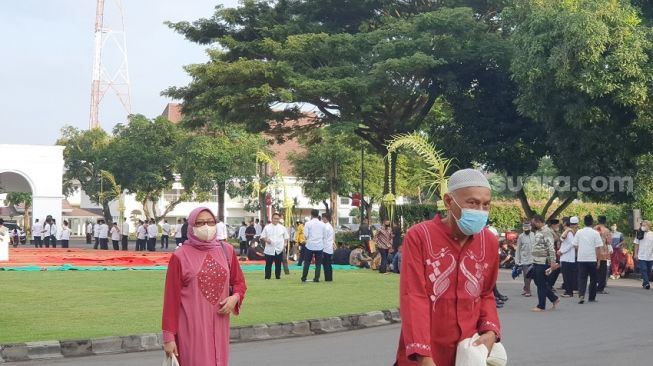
[{"x": 471, "y": 221}]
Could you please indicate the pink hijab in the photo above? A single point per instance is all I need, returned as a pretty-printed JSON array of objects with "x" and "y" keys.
[{"x": 192, "y": 239}]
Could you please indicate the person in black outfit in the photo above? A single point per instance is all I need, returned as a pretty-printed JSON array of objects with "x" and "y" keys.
[
  {"x": 184, "y": 231},
  {"x": 365, "y": 234},
  {"x": 341, "y": 255},
  {"x": 250, "y": 233}
]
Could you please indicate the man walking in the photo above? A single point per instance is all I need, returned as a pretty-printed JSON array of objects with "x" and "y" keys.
[
  {"x": 275, "y": 237},
  {"x": 221, "y": 230},
  {"x": 125, "y": 234},
  {"x": 568, "y": 257},
  {"x": 544, "y": 257},
  {"x": 152, "y": 233},
  {"x": 589, "y": 243},
  {"x": 141, "y": 232},
  {"x": 314, "y": 231},
  {"x": 104, "y": 235},
  {"x": 383, "y": 241},
  {"x": 96, "y": 234},
  {"x": 449, "y": 268},
  {"x": 37, "y": 231},
  {"x": 178, "y": 232},
  {"x": 604, "y": 255},
  {"x": 327, "y": 253},
  {"x": 89, "y": 232},
  {"x": 524, "y": 255},
  {"x": 115, "y": 236},
  {"x": 242, "y": 237},
  {"x": 644, "y": 253},
  {"x": 165, "y": 234}
]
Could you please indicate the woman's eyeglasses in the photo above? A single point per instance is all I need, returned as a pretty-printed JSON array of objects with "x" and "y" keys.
[{"x": 204, "y": 222}]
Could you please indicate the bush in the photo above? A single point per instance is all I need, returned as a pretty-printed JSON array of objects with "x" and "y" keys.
[
  {"x": 348, "y": 238},
  {"x": 508, "y": 215}
]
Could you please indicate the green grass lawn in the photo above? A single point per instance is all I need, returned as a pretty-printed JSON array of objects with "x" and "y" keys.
[{"x": 37, "y": 306}]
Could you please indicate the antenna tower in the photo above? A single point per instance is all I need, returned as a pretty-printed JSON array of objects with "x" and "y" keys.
[{"x": 110, "y": 73}]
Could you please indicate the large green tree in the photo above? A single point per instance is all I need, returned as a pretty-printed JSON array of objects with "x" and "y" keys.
[
  {"x": 377, "y": 66},
  {"x": 144, "y": 157},
  {"x": 86, "y": 154},
  {"x": 219, "y": 160},
  {"x": 583, "y": 71}
]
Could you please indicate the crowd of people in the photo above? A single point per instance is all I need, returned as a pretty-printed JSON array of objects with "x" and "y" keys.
[{"x": 586, "y": 258}]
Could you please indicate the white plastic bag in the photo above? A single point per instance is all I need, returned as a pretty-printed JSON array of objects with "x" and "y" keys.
[
  {"x": 469, "y": 355},
  {"x": 170, "y": 361}
]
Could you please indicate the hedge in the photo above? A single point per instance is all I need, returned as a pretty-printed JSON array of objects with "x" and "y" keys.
[{"x": 508, "y": 215}]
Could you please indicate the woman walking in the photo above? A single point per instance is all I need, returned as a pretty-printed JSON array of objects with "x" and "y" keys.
[{"x": 204, "y": 285}]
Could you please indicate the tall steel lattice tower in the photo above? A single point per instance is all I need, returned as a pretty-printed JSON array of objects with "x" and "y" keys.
[{"x": 110, "y": 67}]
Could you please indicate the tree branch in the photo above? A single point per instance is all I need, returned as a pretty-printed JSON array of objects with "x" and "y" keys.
[
  {"x": 523, "y": 199},
  {"x": 549, "y": 203},
  {"x": 568, "y": 201}
]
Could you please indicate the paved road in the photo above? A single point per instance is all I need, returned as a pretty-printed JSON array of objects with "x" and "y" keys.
[{"x": 616, "y": 330}]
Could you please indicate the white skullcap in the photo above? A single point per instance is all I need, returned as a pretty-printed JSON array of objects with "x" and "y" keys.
[{"x": 467, "y": 178}]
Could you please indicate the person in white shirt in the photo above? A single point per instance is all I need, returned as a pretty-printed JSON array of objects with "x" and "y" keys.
[
  {"x": 125, "y": 234},
  {"x": 329, "y": 243},
  {"x": 567, "y": 254},
  {"x": 103, "y": 235},
  {"x": 50, "y": 232},
  {"x": 165, "y": 234},
  {"x": 314, "y": 232},
  {"x": 89, "y": 232},
  {"x": 96, "y": 234},
  {"x": 258, "y": 228},
  {"x": 152, "y": 233},
  {"x": 5, "y": 238},
  {"x": 37, "y": 231},
  {"x": 275, "y": 237},
  {"x": 64, "y": 236},
  {"x": 141, "y": 232},
  {"x": 178, "y": 232},
  {"x": 115, "y": 236},
  {"x": 644, "y": 254},
  {"x": 589, "y": 243},
  {"x": 242, "y": 237},
  {"x": 221, "y": 230}
]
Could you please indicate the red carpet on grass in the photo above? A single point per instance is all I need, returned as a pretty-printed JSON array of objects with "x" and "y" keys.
[{"x": 45, "y": 257}]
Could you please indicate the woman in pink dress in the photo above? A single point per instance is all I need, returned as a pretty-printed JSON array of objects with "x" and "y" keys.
[{"x": 197, "y": 301}]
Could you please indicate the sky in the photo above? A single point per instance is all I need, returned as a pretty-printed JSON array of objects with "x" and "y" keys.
[{"x": 46, "y": 62}]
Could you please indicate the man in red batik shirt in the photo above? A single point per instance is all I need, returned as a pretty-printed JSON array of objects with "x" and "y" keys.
[{"x": 449, "y": 268}]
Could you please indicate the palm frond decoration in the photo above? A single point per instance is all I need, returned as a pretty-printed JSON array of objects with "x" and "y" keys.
[
  {"x": 263, "y": 157},
  {"x": 437, "y": 165}
]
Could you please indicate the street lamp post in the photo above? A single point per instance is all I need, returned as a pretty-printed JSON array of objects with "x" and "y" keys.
[{"x": 362, "y": 203}]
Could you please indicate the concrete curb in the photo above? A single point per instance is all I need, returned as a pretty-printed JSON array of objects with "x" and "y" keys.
[{"x": 151, "y": 341}]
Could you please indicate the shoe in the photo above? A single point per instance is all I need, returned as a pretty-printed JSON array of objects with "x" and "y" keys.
[
  {"x": 566, "y": 295},
  {"x": 647, "y": 287},
  {"x": 499, "y": 302},
  {"x": 526, "y": 294},
  {"x": 503, "y": 298},
  {"x": 581, "y": 300},
  {"x": 499, "y": 306},
  {"x": 613, "y": 277},
  {"x": 537, "y": 310}
]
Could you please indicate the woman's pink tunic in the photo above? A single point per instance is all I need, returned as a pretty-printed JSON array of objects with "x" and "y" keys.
[{"x": 197, "y": 281}]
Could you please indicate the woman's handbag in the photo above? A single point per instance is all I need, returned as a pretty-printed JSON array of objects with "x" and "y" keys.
[
  {"x": 224, "y": 251},
  {"x": 170, "y": 361}
]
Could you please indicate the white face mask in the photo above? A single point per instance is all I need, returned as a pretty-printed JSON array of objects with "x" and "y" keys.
[{"x": 205, "y": 233}]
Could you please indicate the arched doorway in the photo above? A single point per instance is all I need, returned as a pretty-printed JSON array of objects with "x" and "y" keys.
[{"x": 34, "y": 169}]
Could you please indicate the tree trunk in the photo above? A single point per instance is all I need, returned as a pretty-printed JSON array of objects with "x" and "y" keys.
[
  {"x": 333, "y": 195},
  {"x": 568, "y": 201},
  {"x": 523, "y": 199},
  {"x": 27, "y": 222},
  {"x": 106, "y": 212},
  {"x": 261, "y": 195},
  {"x": 221, "y": 192},
  {"x": 326, "y": 206}
]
